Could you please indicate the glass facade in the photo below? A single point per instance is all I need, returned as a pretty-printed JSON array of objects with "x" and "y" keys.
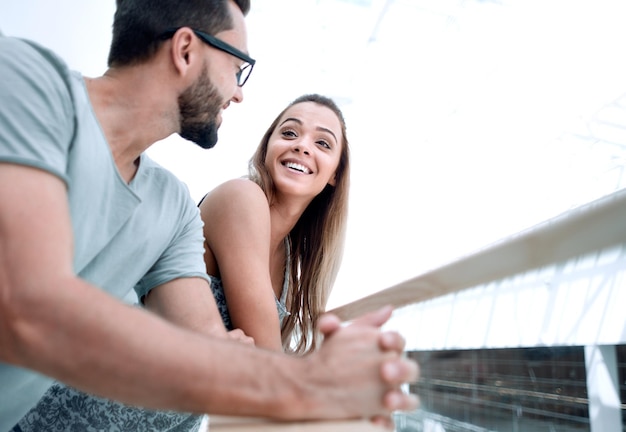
[{"x": 518, "y": 389}]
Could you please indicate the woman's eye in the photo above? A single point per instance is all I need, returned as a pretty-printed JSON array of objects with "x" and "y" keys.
[
  {"x": 324, "y": 144},
  {"x": 288, "y": 133}
]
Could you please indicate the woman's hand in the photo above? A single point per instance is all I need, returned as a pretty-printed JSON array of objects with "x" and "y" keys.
[{"x": 239, "y": 336}]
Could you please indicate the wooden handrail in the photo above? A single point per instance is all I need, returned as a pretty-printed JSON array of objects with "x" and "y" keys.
[
  {"x": 237, "y": 424},
  {"x": 591, "y": 227}
]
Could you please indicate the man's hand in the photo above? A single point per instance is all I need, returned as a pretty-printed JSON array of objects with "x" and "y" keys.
[
  {"x": 395, "y": 371},
  {"x": 388, "y": 341}
]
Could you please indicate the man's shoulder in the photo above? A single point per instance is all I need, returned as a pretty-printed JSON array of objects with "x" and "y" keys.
[
  {"x": 163, "y": 181},
  {"x": 155, "y": 169},
  {"x": 24, "y": 52},
  {"x": 37, "y": 113},
  {"x": 32, "y": 72}
]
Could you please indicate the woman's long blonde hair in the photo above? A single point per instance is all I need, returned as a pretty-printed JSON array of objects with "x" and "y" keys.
[{"x": 316, "y": 240}]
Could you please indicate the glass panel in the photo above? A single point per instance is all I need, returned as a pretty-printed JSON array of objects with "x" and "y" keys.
[
  {"x": 519, "y": 389},
  {"x": 621, "y": 370}
]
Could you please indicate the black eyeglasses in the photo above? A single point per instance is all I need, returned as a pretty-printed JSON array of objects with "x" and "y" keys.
[{"x": 244, "y": 71}]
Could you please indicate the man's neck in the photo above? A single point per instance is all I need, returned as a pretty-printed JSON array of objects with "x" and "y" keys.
[{"x": 132, "y": 114}]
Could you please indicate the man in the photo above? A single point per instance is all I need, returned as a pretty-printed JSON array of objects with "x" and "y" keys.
[{"x": 86, "y": 217}]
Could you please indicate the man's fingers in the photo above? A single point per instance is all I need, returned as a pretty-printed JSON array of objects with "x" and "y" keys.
[
  {"x": 383, "y": 421},
  {"x": 376, "y": 318},
  {"x": 392, "y": 341},
  {"x": 328, "y": 324},
  {"x": 396, "y": 400},
  {"x": 399, "y": 371}
]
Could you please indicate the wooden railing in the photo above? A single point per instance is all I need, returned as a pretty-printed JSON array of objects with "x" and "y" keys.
[
  {"x": 233, "y": 424},
  {"x": 593, "y": 227}
]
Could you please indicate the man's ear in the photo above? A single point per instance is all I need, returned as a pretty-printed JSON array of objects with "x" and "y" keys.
[{"x": 184, "y": 50}]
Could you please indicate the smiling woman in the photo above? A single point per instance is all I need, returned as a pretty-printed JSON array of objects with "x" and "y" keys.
[{"x": 274, "y": 240}]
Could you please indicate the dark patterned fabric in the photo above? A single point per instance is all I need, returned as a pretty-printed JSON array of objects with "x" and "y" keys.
[{"x": 63, "y": 409}]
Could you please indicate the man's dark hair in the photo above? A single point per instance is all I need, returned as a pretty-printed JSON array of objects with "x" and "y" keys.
[{"x": 137, "y": 24}]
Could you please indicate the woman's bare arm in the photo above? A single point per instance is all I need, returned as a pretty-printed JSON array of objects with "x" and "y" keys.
[{"x": 237, "y": 230}]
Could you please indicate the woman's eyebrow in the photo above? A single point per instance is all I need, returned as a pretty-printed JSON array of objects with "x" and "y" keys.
[
  {"x": 291, "y": 119},
  {"x": 323, "y": 129},
  {"x": 319, "y": 128}
]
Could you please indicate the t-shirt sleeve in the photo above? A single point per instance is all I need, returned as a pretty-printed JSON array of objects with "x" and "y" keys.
[
  {"x": 36, "y": 113},
  {"x": 184, "y": 256}
]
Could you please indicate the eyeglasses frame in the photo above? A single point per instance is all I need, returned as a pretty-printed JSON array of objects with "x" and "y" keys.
[{"x": 220, "y": 45}]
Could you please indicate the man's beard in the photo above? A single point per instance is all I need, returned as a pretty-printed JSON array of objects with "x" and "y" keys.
[{"x": 199, "y": 107}]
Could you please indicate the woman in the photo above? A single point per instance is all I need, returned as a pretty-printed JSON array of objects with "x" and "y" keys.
[{"x": 274, "y": 240}]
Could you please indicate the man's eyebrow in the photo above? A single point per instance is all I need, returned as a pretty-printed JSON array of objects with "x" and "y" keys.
[{"x": 323, "y": 129}]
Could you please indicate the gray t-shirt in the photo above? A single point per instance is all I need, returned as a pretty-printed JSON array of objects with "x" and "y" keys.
[{"x": 126, "y": 236}]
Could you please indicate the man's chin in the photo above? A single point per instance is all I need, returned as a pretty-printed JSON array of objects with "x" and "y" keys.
[
  {"x": 207, "y": 143},
  {"x": 205, "y": 139}
]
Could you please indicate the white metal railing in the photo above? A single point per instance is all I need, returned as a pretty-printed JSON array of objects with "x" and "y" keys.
[{"x": 592, "y": 227}]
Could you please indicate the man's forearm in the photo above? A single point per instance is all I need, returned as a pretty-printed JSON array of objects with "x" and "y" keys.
[
  {"x": 87, "y": 339},
  {"x": 130, "y": 355}
]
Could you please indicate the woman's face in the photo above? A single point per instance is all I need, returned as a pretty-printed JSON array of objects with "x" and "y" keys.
[{"x": 304, "y": 150}]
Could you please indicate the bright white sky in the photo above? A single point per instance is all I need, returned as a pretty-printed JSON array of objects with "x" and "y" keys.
[{"x": 463, "y": 116}]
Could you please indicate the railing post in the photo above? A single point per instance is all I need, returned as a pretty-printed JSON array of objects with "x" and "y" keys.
[{"x": 602, "y": 388}]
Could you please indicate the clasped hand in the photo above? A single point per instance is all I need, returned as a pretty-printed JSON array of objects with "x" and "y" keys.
[{"x": 371, "y": 365}]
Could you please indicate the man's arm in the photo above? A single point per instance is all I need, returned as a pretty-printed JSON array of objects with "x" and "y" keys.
[
  {"x": 55, "y": 323},
  {"x": 189, "y": 303}
]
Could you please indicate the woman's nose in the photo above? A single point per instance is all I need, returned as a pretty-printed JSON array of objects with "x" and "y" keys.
[{"x": 301, "y": 146}]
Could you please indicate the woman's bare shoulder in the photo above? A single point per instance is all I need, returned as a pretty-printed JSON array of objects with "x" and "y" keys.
[
  {"x": 236, "y": 195},
  {"x": 237, "y": 208},
  {"x": 242, "y": 185}
]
